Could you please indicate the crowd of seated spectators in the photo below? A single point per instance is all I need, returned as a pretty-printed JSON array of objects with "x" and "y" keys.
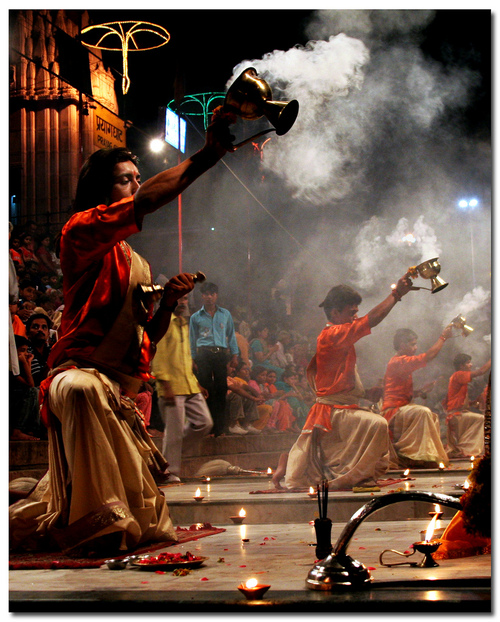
[
  {"x": 35, "y": 305},
  {"x": 270, "y": 376}
]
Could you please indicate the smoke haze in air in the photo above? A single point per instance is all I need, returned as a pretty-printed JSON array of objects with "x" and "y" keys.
[{"x": 364, "y": 185}]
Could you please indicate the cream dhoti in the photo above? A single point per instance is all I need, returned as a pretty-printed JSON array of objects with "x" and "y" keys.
[
  {"x": 99, "y": 480},
  {"x": 346, "y": 444}
]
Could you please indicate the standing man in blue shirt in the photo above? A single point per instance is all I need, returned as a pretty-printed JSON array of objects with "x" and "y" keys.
[{"x": 213, "y": 345}]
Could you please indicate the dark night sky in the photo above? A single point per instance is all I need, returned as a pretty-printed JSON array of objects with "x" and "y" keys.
[{"x": 205, "y": 45}]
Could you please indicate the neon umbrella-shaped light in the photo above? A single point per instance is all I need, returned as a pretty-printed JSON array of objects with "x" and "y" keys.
[{"x": 134, "y": 36}]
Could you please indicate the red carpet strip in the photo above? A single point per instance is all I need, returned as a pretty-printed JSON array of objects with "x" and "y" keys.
[{"x": 58, "y": 560}]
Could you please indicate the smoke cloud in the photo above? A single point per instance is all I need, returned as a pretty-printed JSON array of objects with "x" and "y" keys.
[{"x": 364, "y": 185}]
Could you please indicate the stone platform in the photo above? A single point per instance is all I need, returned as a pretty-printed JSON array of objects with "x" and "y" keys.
[{"x": 279, "y": 550}]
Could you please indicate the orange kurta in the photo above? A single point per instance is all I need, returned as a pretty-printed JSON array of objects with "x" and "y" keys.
[
  {"x": 96, "y": 266},
  {"x": 457, "y": 391},
  {"x": 333, "y": 368},
  {"x": 398, "y": 382}
]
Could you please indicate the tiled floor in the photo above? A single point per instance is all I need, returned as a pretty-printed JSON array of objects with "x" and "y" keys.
[{"x": 279, "y": 553}]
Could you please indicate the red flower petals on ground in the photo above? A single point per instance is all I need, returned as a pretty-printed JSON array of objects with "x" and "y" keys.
[{"x": 167, "y": 558}]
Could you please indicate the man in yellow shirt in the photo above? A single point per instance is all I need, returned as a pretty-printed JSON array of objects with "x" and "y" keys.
[{"x": 181, "y": 400}]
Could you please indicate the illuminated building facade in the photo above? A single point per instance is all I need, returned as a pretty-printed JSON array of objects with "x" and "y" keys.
[{"x": 62, "y": 108}]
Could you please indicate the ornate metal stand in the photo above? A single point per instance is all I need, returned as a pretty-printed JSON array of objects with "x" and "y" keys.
[{"x": 339, "y": 570}]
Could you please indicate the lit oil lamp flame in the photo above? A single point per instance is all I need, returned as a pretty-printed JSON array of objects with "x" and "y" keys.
[
  {"x": 311, "y": 490},
  {"x": 197, "y": 493},
  {"x": 441, "y": 466},
  {"x": 466, "y": 484},
  {"x": 269, "y": 471},
  {"x": 207, "y": 479},
  {"x": 251, "y": 583},
  {"x": 430, "y": 528},
  {"x": 242, "y": 512},
  {"x": 406, "y": 473}
]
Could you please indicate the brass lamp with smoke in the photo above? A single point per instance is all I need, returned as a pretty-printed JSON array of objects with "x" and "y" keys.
[
  {"x": 429, "y": 270},
  {"x": 459, "y": 322},
  {"x": 250, "y": 97}
]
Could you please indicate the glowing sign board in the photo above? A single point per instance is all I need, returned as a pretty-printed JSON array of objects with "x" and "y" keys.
[{"x": 175, "y": 130}]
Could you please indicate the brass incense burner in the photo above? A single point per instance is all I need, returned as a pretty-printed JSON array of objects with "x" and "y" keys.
[
  {"x": 341, "y": 571},
  {"x": 429, "y": 270},
  {"x": 250, "y": 97}
]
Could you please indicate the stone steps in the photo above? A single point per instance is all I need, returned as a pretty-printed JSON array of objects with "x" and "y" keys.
[
  {"x": 255, "y": 452},
  {"x": 223, "y": 497}
]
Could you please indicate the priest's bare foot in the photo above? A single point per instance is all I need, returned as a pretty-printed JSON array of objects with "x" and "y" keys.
[{"x": 17, "y": 435}]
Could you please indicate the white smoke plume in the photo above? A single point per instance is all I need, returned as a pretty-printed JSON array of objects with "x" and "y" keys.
[
  {"x": 351, "y": 98},
  {"x": 474, "y": 305}
]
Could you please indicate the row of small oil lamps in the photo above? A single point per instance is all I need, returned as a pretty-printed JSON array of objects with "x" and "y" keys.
[
  {"x": 253, "y": 590},
  {"x": 312, "y": 493}
]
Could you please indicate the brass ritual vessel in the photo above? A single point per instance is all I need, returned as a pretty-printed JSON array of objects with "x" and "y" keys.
[
  {"x": 459, "y": 322},
  {"x": 250, "y": 97},
  {"x": 429, "y": 270}
]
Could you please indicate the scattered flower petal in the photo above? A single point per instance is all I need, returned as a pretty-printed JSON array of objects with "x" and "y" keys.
[
  {"x": 362, "y": 548},
  {"x": 371, "y": 568},
  {"x": 243, "y": 566},
  {"x": 204, "y": 579},
  {"x": 144, "y": 581}
]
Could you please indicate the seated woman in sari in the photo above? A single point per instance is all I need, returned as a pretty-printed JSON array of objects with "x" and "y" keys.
[{"x": 261, "y": 349}]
